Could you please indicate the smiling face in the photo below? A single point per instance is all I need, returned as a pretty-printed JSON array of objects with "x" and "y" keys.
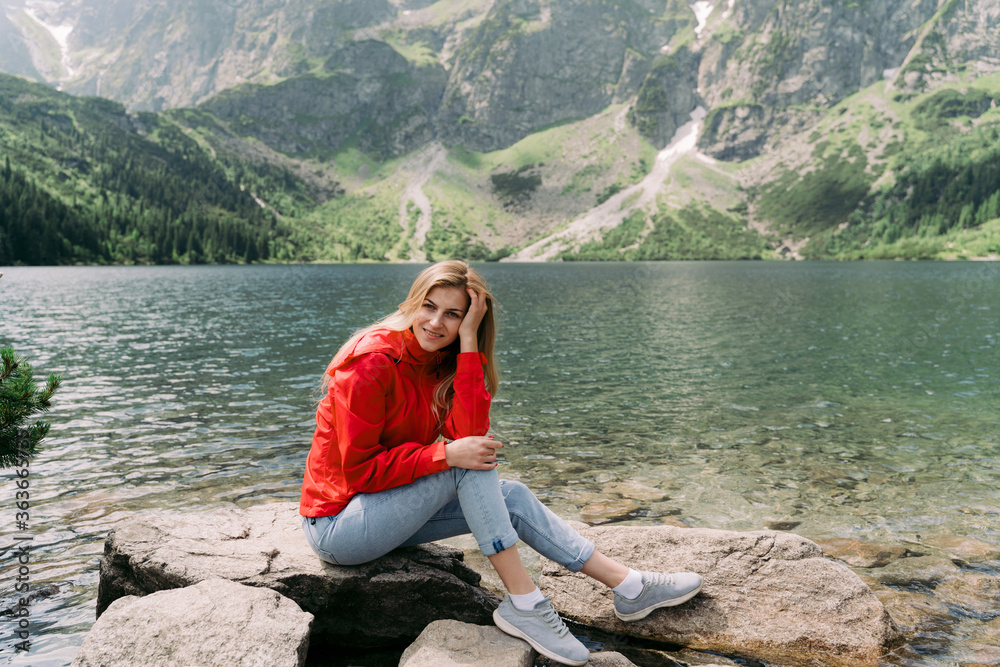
[{"x": 439, "y": 317}]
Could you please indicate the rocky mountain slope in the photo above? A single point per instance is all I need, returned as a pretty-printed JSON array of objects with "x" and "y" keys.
[{"x": 482, "y": 128}]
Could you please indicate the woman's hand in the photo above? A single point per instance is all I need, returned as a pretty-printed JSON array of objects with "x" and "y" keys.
[
  {"x": 474, "y": 452},
  {"x": 468, "y": 331}
]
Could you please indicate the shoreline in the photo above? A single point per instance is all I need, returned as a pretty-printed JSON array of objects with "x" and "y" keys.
[{"x": 768, "y": 260}]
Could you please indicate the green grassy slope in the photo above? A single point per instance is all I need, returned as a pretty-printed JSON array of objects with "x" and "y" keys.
[
  {"x": 483, "y": 205},
  {"x": 882, "y": 175},
  {"x": 891, "y": 175}
]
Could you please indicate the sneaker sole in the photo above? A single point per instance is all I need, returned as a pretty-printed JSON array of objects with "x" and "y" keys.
[
  {"x": 643, "y": 613},
  {"x": 513, "y": 631}
]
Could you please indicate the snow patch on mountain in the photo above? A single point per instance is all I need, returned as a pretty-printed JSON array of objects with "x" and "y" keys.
[
  {"x": 702, "y": 10},
  {"x": 60, "y": 33},
  {"x": 612, "y": 212}
]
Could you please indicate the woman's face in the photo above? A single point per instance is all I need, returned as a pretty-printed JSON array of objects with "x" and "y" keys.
[{"x": 438, "y": 318}]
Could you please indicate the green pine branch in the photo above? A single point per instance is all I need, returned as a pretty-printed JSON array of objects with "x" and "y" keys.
[{"x": 20, "y": 400}]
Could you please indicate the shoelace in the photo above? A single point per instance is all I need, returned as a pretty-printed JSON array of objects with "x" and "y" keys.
[
  {"x": 659, "y": 579},
  {"x": 553, "y": 620}
]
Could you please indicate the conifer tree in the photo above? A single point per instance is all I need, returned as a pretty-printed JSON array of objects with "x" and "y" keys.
[{"x": 20, "y": 399}]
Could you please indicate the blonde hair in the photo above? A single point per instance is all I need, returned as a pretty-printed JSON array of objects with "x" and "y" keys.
[{"x": 452, "y": 273}]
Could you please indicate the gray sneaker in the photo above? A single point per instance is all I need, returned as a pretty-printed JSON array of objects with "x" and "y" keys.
[
  {"x": 543, "y": 629},
  {"x": 658, "y": 590}
]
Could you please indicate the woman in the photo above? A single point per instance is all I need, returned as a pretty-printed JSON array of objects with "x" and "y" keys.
[{"x": 400, "y": 457}]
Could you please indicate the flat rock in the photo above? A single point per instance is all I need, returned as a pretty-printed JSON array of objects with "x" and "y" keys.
[
  {"x": 386, "y": 602},
  {"x": 609, "y": 659},
  {"x": 767, "y": 595},
  {"x": 860, "y": 553},
  {"x": 452, "y": 643},
  {"x": 204, "y": 624},
  {"x": 964, "y": 548}
]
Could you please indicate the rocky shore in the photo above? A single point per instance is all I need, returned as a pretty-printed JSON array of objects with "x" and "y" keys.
[{"x": 242, "y": 587}]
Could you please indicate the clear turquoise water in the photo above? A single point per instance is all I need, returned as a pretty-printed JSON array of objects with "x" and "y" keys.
[{"x": 840, "y": 400}]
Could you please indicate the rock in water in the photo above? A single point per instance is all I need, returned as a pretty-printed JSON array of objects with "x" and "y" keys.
[
  {"x": 216, "y": 622},
  {"x": 452, "y": 643},
  {"x": 964, "y": 548},
  {"x": 388, "y": 601},
  {"x": 609, "y": 659},
  {"x": 860, "y": 553},
  {"x": 767, "y": 595}
]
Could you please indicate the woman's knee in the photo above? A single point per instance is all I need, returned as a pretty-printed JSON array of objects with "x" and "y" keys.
[
  {"x": 468, "y": 475},
  {"x": 516, "y": 495}
]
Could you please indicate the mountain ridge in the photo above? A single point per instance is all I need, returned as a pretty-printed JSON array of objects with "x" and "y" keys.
[{"x": 349, "y": 89}]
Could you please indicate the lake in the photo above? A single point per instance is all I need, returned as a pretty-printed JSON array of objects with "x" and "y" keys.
[{"x": 834, "y": 400}]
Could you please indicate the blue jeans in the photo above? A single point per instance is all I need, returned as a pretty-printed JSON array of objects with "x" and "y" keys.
[{"x": 454, "y": 502}]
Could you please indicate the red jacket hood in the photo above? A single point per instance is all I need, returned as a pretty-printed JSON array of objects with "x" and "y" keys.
[{"x": 402, "y": 346}]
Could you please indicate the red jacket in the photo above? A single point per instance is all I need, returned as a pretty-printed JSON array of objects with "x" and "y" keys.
[{"x": 376, "y": 428}]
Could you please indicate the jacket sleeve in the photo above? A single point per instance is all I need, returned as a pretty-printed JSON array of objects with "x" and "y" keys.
[
  {"x": 470, "y": 407},
  {"x": 359, "y": 396}
]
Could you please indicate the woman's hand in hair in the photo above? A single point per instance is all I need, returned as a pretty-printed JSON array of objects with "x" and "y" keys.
[
  {"x": 474, "y": 452},
  {"x": 469, "y": 329}
]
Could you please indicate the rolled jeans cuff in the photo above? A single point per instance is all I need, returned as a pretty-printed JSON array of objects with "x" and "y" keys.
[
  {"x": 500, "y": 544},
  {"x": 586, "y": 551}
]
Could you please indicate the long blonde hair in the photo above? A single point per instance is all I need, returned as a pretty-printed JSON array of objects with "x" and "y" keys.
[{"x": 453, "y": 273}]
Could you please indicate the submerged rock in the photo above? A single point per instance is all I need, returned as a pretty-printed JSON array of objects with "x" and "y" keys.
[
  {"x": 988, "y": 633},
  {"x": 637, "y": 491},
  {"x": 978, "y": 594},
  {"x": 916, "y": 612},
  {"x": 922, "y": 570},
  {"x": 11, "y": 604},
  {"x": 388, "y": 601},
  {"x": 699, "y": 659},
  {"x": 205, "y": 624},
  {"x": 860, "y": 553},
  {"x": 964, "y": 548},
  {"x": 981, "y": 654},
  {"x": 605, "y": 510},
  {"x": 767, "y": 595}
]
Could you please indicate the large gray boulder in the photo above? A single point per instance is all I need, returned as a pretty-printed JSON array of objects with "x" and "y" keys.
[
  {"x": 457, "y": 644},
  {"x": 388, "y": 601},
  {"x": 453, "y": 643},
  {"x": 767, "y": 595},
  {"x": 216, "y": 622}
]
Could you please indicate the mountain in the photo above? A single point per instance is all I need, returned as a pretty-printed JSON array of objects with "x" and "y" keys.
[
  {"x": 83, "y": 180},
  {"x": 15, "y": 56},
  {"x": 572, "y": 129}
]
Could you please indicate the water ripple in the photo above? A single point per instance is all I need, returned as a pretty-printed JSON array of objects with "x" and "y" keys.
[{"x": 848, "y": 400}]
